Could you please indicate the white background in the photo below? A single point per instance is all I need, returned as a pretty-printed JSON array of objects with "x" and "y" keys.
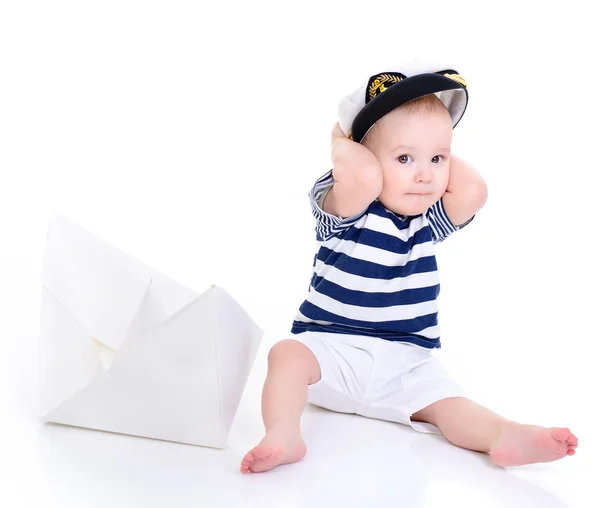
[{"x": 189, "y": 133}]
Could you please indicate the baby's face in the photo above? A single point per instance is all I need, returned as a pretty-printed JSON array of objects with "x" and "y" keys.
[{"x": 413, "y": 150}]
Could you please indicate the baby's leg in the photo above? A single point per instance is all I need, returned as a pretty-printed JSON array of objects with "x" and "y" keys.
[
  {"x": 292, "y": 367},
  {"x": 469, "y": 425}
]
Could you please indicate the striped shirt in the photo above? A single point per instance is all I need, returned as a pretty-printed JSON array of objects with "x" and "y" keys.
[{"x": 375, "y": 273}]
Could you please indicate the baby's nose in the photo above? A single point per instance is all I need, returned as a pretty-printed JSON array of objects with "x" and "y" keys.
[{"x": 424, "y": 174}]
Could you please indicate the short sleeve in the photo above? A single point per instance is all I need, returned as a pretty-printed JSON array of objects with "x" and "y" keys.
[
  {"x": 441, "y": 225},
  {"x": 328, "y": 225}
]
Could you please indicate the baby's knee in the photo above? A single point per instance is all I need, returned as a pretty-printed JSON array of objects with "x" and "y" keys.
[
  {"x": 291, "y": 354},
  {"x": 288, "y": 351}
]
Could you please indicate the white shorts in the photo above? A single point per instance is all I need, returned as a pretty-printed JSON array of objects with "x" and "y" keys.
[{"x": 377, "y": 378}]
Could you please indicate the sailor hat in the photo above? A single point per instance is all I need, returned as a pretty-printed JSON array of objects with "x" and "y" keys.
[{"x": 385, "y": 91}]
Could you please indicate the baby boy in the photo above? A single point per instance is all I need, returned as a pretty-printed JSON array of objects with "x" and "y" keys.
[{"x": 363, "y": 339}]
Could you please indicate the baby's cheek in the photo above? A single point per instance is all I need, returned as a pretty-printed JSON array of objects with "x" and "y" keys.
[
  {"x": 394, "y": 184},
  {"x": 443, "y": 183}
]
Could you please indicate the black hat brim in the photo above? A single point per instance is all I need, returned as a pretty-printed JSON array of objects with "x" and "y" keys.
[{"x": 406, "y": 90}]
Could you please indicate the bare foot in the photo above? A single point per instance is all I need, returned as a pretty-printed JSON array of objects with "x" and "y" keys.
[
  {"x": 276, "y": 448},
  {"x": 519, "y": 444}
]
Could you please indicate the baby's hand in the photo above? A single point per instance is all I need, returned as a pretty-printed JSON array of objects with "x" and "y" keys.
[
  {"x": 357, "y": 174},
  {"x": 337, "y": 132},
  {"x": 349, "y": 156}
]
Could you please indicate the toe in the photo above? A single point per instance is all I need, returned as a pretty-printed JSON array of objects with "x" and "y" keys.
[
  {"x": 560, "y": 434},
  {"x": 572, "y": 440},
  {"x": 247, "y": 462},
  {"x": 571, "y": 452}
]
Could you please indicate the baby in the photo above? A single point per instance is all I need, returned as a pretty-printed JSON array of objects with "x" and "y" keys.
[{"x": 364, "y": 337}]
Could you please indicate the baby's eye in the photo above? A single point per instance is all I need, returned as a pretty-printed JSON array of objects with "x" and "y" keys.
[
  {"x": 403, "y": 158},
  {"x": 438, "y": 157}
]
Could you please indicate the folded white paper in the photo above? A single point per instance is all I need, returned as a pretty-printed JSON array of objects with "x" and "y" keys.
[{"x": 124, "y": 348}]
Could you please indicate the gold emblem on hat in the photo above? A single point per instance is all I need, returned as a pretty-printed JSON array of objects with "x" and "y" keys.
[
  {"x": 457, "y": 78},
  {"x": 378, "y": 85}
]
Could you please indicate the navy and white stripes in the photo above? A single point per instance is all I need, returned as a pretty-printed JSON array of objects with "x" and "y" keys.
[{"x": 375, "y": 273}]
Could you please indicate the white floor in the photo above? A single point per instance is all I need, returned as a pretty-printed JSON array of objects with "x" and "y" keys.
[{"x": 352, "y": 461}]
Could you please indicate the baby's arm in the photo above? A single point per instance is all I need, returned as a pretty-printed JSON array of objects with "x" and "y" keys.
[
  {"x": 357, "y": 175},
  {"x": 466, "y": 192}
]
